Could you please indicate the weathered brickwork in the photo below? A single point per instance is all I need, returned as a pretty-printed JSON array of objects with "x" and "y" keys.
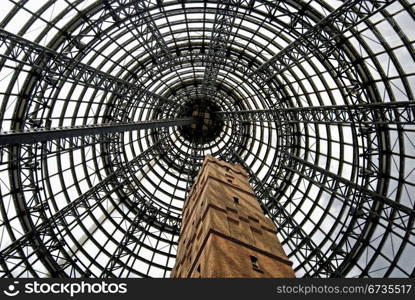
[{"x": 224, "y": 231}]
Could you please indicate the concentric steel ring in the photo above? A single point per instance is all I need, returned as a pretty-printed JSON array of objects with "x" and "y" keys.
[{"x": 314, "y": 98}]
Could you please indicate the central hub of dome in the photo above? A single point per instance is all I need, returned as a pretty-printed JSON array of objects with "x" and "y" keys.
[{"x": 206, "y": 126}]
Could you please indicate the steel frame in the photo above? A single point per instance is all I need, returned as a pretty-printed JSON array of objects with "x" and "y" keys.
[
  {"x": 43, "y": 135},
  {"x": 95, "y": 114},
  {"x": 402, "y": 113}
]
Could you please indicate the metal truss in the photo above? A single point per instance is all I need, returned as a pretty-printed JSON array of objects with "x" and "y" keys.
[
  {"x": 370, "y": 208},
  {"x": 41, "y": 240},
  {"x": 314, "y": 101},
  {"x": 287, "y": 225},
  {"x": 52, "y": 67},
  {"x": 43, "y": 135},
  {"x": 137, "y": 14},
  {"x": 369, "y": 114},
  {"x": 219, "y": 41},
  {"x": 324, "y": 37},
  {"x": 132, "y": 240},
  {"x": 321, "y": 41}
]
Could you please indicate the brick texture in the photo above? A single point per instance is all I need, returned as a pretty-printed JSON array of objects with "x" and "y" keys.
[{"x": 224, "y": 231}]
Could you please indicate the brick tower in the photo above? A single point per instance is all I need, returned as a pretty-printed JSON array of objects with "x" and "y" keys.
[{"x": 224, "y": 231}]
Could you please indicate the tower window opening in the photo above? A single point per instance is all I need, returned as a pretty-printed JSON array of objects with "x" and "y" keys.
[
  {"x": 255, "y": 264},
  {"x": 198, "y": 271}
]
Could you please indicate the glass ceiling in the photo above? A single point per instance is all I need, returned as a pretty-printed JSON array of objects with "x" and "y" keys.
[{"x": 336, "y": 173}]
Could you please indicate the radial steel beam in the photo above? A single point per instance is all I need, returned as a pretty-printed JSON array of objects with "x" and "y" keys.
[
  {"x": 145, "y": 30},
  {"x": 134, "y": 236},
  {"x": 354, "y": 186},
  {"x": 325, "y": 42},
  {"x": 285, "y": 223},
  {"x": 43, "y": 135},
  {"x": 323, "y": 37},
  {"x": 219, "y": 40},
  {"x": 367, "y": 208},
  {"x": 53, "y": 66},
  {"x": 43, "y": 234},
  {"x": 386, "y": 113},
  {"x": 367, "y": 211}
]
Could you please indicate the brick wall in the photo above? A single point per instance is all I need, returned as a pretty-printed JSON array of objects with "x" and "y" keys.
[{"x": 224, "y": 231}]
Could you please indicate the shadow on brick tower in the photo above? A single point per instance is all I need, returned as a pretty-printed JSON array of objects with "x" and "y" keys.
[{"x": 224, "y": 231}]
